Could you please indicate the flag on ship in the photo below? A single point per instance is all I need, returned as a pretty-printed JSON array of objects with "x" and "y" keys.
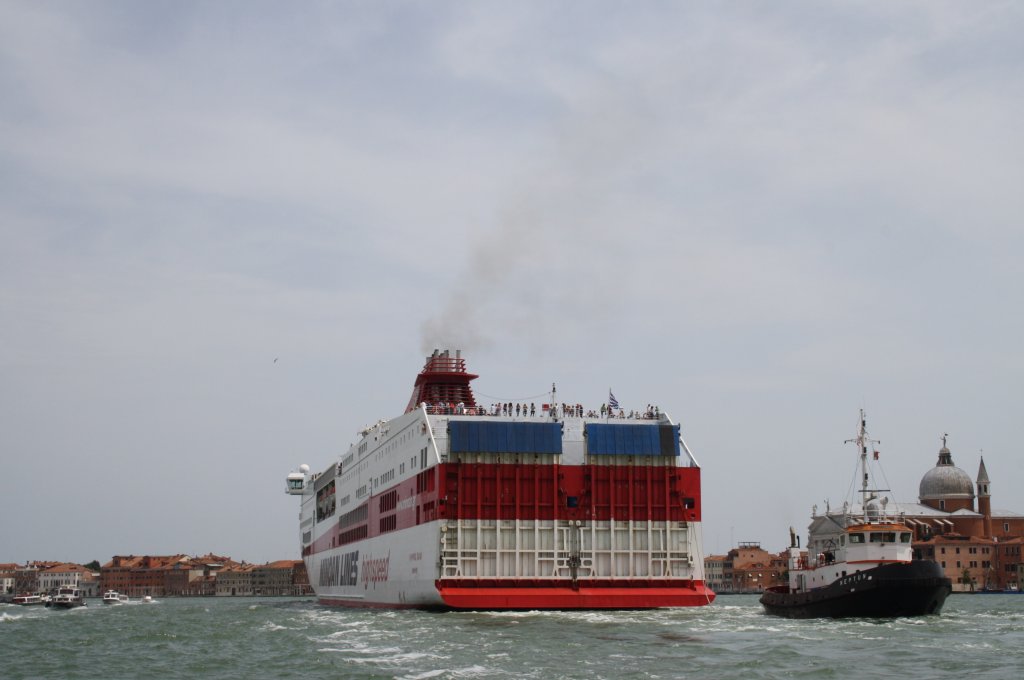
[{"x": 612, "y": 401}]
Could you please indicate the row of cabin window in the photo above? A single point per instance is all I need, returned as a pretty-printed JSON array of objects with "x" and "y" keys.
[
  {"x": 390, "y": 474},
  {"x": 881, "y": 537}
]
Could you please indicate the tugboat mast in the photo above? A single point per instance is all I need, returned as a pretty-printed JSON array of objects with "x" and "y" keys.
[{"x": 862, "y": 441}]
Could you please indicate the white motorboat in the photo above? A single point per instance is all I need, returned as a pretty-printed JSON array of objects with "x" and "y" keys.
[
  {"x": 114, "y": 597},
  {"x": 28, "y": 600},
  {"x": 67, "y": 597}
]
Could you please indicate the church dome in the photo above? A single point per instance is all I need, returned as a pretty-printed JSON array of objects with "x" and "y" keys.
[{"x": 946, "y": 481}]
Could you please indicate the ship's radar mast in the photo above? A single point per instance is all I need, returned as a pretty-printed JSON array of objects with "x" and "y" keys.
[{"x": 862, "y": 440}]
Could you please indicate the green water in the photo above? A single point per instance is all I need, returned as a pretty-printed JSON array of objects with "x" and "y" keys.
[{"x": 981, "y": 636}]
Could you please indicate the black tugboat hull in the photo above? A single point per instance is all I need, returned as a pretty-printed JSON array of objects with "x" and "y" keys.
[{"x": 917, "y": 588}]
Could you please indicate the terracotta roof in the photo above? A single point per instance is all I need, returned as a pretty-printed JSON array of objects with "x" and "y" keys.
[
  {"x": 955, "y": 539},
  {"x": 65, "y": 568},
  {"x": 123, "y": 561},
  {"x": 238, "y": 569}
]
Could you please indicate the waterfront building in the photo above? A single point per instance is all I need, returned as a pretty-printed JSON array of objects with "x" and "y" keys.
[
  {"x": 747, "y": 568},
  {"x": 714, "y": 572},
  {"x": 754, "y": 569},
  {"x": 977, "y": 546},
  {"x": 235, "y": 581},
  {"x": 176, "y": 575},
  {"x": 139, "y": 576},
  {"x": 283, "y": 577},
  {"x": 163, "y": 575},
  {"x": 1009, "y": 559},
  {"x": 966, "y": 560},
  {"x": 7, "y": 578},
  {"x": 274, "y": 578},
  {"x": 160, "y": 576},
  {"x": 300, "y": 579},
  {"x": 194, "y": 576},
  {"x": 26, "y": 578},
  {"x": 207, "y": 575},
  {"x": 66, "y": 574}
]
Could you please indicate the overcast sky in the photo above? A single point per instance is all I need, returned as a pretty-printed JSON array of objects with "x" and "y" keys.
[{"x": 760, "y": 216}]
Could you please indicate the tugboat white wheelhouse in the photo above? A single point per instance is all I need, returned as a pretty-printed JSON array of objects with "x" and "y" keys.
[{"x": 453, "y": 505}]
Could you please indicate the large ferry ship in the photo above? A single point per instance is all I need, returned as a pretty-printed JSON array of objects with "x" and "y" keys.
[{"x": 453, "y": 505}]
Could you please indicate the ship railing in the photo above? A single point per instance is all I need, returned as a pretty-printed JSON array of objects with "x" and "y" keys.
[
  {"x": 877, "y": 518},
  {"x": 445, "y": 364},
  {"x": 531, "y": 410},
  {"x": 455, "y": 410}
]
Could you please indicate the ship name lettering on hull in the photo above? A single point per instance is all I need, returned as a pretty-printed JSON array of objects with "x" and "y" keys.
[
  {"x": 375, "y": 570},
  {"x": 340, "y": 570}
]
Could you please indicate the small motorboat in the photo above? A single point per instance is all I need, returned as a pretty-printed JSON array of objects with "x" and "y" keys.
[{"x": 114, "y": 597}]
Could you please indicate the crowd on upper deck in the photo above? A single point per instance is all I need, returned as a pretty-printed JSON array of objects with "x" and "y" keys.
[{"x": 519, "y": 410}]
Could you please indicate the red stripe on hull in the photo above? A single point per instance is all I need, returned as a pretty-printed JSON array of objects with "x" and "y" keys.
[
  {"x": 511, "y": 597},
  {"x": 576, "y": 492},
  {"x": 525, "y": 492}
]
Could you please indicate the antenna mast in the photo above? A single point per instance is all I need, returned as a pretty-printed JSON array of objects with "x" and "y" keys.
[{"x": 862, "y": 442}]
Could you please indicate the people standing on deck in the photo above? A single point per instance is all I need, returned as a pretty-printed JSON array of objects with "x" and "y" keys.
[{"x": 652, "y": 412}]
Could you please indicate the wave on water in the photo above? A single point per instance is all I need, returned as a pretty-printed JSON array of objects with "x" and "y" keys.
[
  {"x": 467, "y": 672},
  {"x": 393, "y": 658},
  {"x": 424, "y": 676}
]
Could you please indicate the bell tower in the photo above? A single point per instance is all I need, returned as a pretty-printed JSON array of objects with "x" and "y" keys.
[{"x": 984, "y": 499}]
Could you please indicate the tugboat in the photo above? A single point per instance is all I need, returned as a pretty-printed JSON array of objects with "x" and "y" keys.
[{"x": 859, "y": 563}]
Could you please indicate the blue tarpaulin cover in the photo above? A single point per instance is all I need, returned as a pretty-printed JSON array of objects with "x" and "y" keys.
[
  {"x": 632, "y": 439},
  {"x": 467, "y": 436}
]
